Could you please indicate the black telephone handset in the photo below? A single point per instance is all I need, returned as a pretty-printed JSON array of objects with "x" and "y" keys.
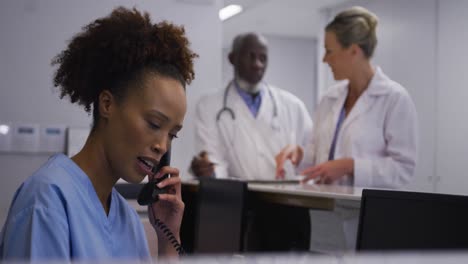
[{"x": 150, "y": 194}]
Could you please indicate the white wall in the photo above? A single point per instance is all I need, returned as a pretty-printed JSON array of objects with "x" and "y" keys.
[
  {"x": 291, "y": 66},
  {"x": 452, "y": 94},
  {"x": 35, "y": 31}
]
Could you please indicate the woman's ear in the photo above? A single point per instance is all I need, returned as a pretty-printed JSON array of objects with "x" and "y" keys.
[
  {"x": 356, "y": 51},
  {"x": 106, "y": 104}
]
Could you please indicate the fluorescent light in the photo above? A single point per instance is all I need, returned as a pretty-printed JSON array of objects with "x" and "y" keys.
[
  {"x": 4, "y": 129},
  {"x": 229, "y": 11}
]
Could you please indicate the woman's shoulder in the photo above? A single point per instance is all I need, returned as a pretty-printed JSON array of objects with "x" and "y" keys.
[
  {"x": 59, "y": 171},
  {"x": 384, "y": 85},
  {"x": 49, "y": 186}
]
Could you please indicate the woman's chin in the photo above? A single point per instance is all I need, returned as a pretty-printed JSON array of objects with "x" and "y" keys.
[
  {"x": 134, "y": 180},
  {"x": 338, "y": 78}
]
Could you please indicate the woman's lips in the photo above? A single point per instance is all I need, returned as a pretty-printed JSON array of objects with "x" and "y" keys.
[{"x": 144, "y": 168}]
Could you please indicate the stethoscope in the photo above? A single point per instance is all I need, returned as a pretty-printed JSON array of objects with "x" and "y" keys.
[
  {"x": 229, "y": 110},
  {"x": 232, "y": 132}
]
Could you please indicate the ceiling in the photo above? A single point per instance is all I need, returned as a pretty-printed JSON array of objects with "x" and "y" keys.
[{"x": 293, "y": 18}]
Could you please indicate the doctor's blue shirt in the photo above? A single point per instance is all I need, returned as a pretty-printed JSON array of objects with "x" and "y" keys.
[
  {"x": 56, "y": 214},
  {"x": 252, "y": 102}
]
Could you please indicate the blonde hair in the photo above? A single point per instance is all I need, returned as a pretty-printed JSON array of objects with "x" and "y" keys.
[{"x": 356, "y": 25}]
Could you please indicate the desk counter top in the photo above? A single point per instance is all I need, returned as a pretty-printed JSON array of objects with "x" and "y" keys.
[
  {"x": 314, "y": 196},
  {"x": 310, "y": 190}
]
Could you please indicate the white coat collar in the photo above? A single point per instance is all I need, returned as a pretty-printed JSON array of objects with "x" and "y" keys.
[{"x": 377, "y": 86}]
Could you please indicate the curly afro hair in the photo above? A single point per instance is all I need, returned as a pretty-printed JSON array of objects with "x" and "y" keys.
[{"x": 112, "y": 52}]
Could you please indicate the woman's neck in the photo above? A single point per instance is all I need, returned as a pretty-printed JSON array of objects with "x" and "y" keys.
[
  {"x": 92, "y": 160},
  {"x": 360, "y": 80}
]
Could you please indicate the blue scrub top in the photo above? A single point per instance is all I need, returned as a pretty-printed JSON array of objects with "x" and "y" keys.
[
  {"x": 56, "y": 214},
  {"x": 341, "y": 118}
]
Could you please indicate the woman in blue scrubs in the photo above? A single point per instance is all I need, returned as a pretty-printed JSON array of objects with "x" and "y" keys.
[{"x": 131, "y": 75}]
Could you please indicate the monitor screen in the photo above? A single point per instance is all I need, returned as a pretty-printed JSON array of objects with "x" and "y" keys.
[{"x": 397, "y": 220}]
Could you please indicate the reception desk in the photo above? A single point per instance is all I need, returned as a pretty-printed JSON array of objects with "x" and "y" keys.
[
  {"x": 388, "y": 258},
  {"x": 312, "y": 196},
  {"x": 275, "y": 216}
]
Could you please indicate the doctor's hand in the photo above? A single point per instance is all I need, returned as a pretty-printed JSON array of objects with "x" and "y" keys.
[
  {"x": 329, "y": 172},
  {"x": 290, "y": 152},
  {"x": 169, "y": 209},
  {"x": 201, "y": 166}
]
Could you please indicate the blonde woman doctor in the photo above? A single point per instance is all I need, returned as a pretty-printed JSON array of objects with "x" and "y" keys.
[{"x": 366, "y": 131}]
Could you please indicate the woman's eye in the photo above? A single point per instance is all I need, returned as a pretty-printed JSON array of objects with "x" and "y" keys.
[
  {"x": 153, "y": 125},
  {"x": 172, "y": 136}
]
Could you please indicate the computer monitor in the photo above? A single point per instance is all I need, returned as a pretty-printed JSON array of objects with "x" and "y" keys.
[
  {"x": 219, "y": 216},
  {"x": 398, "y": 220}
]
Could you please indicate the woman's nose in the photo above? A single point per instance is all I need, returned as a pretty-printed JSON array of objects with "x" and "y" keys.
[{"x": 160, "y": 146}]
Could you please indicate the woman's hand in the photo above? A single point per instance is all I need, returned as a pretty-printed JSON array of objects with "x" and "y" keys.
[
  {"x": 329, "y": 172},
  {"x": 169, "y": 209},
  {"x": 290, "y": 152}
]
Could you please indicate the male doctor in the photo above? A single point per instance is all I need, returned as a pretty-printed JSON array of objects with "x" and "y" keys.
[{"x": 240, "y": 129}]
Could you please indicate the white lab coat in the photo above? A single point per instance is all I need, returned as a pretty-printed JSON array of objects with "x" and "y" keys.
[
  {"x": 245, "y": 148},
  {"x": 380, "y": 134}
]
